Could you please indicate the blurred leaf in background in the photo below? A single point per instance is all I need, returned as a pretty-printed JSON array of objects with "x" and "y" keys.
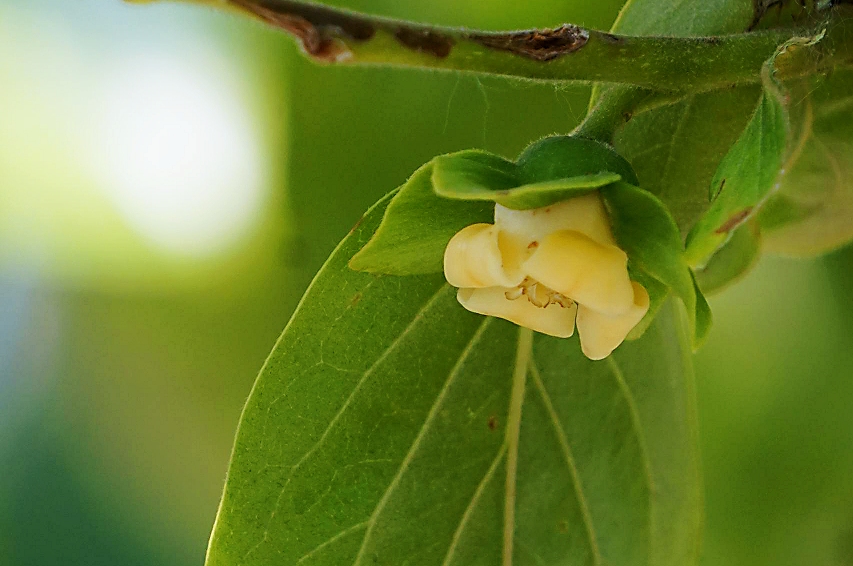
[{"x": 140, "y": 292}]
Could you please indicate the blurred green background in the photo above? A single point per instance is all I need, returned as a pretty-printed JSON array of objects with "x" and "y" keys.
[{"x": 170, "y": 180}]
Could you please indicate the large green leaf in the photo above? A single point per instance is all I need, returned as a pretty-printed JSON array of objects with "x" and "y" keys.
[
  {"x": 812, "y": 210},
  {"x": 389, "y": 426}
]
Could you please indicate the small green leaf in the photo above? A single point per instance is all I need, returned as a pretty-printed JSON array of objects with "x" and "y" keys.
[
  {"x": 646, "y": 231},
  {"x": 390, "y": 426},
  {"x": 744, "y": 178},
  {"x": 732, "y": 261},
  {"x": 416, "y": 228}
]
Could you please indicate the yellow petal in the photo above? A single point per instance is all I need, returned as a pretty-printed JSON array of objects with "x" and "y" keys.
[
  {"x": 584, "y": 214},
  {"x": 601, "y": 334},
  {"x": 553, "y": 320},
  {"x": 473, "y": 259},
  {"x": 591, "y": 273}
]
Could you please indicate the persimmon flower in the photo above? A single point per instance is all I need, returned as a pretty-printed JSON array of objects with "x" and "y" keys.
[{"x": 547, "y": 269}]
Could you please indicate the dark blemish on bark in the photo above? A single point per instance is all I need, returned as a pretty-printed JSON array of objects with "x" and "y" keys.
[
  {"x": 355, "y": 299},
  {"x": 318, "y": 28},
  {"x": 493, "y": 423},
  {"x": 626, "y": 116},
  {"x": 540, "y": 45},
  {"x": 425, "y": 41},
  {"x": 734, "y": 221},
  {"x": 612, "y": 39},
  {"x": 711, "y": 40}
]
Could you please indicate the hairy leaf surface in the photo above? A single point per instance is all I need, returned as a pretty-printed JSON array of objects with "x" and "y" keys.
[{"x": 390, "y": 426}]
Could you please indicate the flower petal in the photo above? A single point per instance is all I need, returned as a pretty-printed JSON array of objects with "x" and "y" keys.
[
  {"x": 473, "y": 259},
  {"x": 593, "y": 274},
  {"x": 584, "y": 214},
  {"x": 601, "y": 334},
  {"x": 553, "y": 320}
]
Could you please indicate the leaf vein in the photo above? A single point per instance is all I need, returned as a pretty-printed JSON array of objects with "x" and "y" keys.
[
  {"x": 565, "y": 447},
  {"x": 331, "y": 540},
  {"x": 513, "y": 431},
  {"x": 407, "y": 460},
  {"x": 641, "y": 440},
  {"x": 391, "y": 347},
  {"x": 469, "y": 510}
]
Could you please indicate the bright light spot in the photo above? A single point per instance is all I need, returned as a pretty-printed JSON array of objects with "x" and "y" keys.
[{"x": 177, "y": 153}]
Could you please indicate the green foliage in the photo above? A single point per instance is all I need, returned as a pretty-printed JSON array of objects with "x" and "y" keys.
[
  {"x": 410, "y": 431},
  {"x": 746, "y": 175},
  {"x": 675, "y": 149},
  {"x": 810, "y": 214},
  {"x": 391, "y": 426}
]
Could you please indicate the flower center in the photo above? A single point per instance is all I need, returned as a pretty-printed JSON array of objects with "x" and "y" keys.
[{"x": 538, "y": 294}]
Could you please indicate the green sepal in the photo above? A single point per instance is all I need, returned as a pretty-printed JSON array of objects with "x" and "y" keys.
[
  {"x": 703, "y": 317},
  {"x": 658, "y": 294},
  {"x": 550, "y": 170},
  {"x": 416, "y": 227},
  {"x": 646, "y": 231},
  {"x": 564, "y": 157},
  {"x": 467, "y": 175}
]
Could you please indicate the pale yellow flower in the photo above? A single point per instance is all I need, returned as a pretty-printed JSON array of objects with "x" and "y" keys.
[{"x": 546, "y": 268}]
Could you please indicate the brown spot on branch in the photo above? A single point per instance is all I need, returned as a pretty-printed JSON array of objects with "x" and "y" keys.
[
  {"x": 540, "y": 45},
  {"x": 425, "y": 41},
  {"x": 318, "y": 28}
]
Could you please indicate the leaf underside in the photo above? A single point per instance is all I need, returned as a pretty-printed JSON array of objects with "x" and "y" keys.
[{"x": 390, "y": 426}]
